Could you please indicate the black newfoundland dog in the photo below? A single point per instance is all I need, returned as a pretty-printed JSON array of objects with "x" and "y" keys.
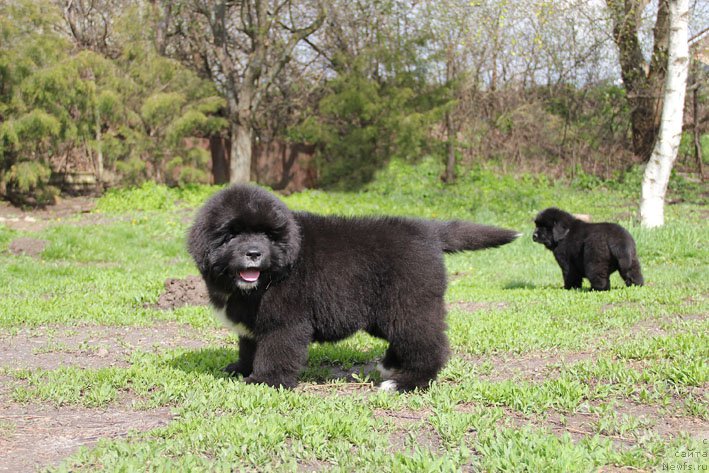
[
  {"x": 590, "y": 250},
  {"x": 283, "y": 279}
]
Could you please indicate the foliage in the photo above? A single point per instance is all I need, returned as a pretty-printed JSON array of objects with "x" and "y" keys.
[
  {"x": 372, "y": 85},
  {"x": 364, "y": 119},
  {"x": 150, "y": 196},
  {"x": 80, "y": 109},
  {"x": 27, "y": 183}
]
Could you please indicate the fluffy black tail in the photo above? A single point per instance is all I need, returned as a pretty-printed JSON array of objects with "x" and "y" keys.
[{"x": 458, "y": 235}]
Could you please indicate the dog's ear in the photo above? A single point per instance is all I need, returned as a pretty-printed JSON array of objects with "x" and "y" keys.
[{"x": 559, "y": 231}]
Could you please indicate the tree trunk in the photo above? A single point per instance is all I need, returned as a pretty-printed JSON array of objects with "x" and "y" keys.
[
  {"x": 219, "y": 150},
  {"x": 643, "y": 82},
  {"x": 99, "y": 152},
  {"x": 657, "y": 171},
  {"x": 644, "y": 121},
  {"x": 697, "y": 132},
  {"x": 240, "y": 154}
]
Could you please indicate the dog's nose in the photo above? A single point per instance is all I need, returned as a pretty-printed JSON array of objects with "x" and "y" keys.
[{"x": 253, "y": 254}]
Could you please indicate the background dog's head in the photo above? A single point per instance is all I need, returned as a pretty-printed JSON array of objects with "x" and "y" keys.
[
  {"x": 243, "y": 238},
  {"x": 552, "y": 226}
]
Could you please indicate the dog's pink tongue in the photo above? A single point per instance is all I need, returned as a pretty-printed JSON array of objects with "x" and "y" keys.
[{"x": 250, "y": 275}]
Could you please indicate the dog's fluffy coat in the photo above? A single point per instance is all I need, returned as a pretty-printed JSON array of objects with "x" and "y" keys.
[
  {"x": 588, "y": 250},
  {"x": 285, "y": 279}
]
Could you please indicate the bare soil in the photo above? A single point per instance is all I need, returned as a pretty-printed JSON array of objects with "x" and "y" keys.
[
  {"x": 183, "y": 292},
  {"x": 27, "y": 246},
  {"x": 38, "y": 219},
  {"x": 94, "y": 347},
  {"x": 587, "y": 422},
  {"x": 37, "y": 435},
  {"x": 530, "y": 366},
  {"x": 34, "y": 436}
]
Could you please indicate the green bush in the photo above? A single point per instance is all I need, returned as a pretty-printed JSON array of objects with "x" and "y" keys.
[
  {"x": 27, "y": 184},
  {"x": 364, "y": 121},
  {"x": 150, "y": 196}
]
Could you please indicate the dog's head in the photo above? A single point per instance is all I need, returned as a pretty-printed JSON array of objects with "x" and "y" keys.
[
  {"x": 242, "y": 239},
  {"x": 552, "y": 226}
]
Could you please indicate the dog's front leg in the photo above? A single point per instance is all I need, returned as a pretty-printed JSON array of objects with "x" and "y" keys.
[
  {"x": 572, "y": 278},
  {"x": 280, "y": 356},
  {"x": 245, "y": 365}
]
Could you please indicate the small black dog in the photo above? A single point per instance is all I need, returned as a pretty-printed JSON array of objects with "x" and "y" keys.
[
  {"x": 283, "y": 279},
  {"x": 590, "y": 250}
]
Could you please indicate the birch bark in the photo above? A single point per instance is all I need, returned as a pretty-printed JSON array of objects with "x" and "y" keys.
[{"x": 659, "y": 167}]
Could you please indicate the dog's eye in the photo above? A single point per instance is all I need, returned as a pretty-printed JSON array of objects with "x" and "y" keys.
[
  {"x": 226, "y": 238},
  {"x": 273, "y": 235}
]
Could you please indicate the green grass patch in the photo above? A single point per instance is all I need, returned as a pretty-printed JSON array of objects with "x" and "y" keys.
[{"x": 649, "y": 343}]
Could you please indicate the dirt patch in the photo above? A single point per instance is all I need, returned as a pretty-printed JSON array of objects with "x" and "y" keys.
[
  {"x": 314, "y": 465},
  {"x": 94, "y": 346},
  {"x": 625, "y": 423},
  {"x": 653, "y": 327},
  {"x": 540, "y": 366},
  {"x": 183, "y": 292},
  {"x": 410, "y": 427},
  {"x": 531, "y": 366},
  {"x": 403, "y": 417},
  {"x": 27, "y": 246},
  {"x": 38, "y": 219},
  {"x": 415, "y": 436},
  {"x": 36, "y": 436}
]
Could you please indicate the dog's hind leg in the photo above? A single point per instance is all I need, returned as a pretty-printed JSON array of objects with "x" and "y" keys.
[
  {"x": 629, "y": 269},
  {"x": 600, "y": 280},
  {"x": 389, "y": 365},
  {"x": 420, "y": 363},
  {"x": 416, "y": 354}
]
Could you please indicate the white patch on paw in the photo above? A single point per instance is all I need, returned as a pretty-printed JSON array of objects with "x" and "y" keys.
[
  {"x": 388, "y": 386},
  {"x": 386, "y": 373},
  {"x": 240, "y": 329}
]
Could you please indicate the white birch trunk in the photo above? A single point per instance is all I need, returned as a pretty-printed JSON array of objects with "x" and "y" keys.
[{"x": 657, "y": 171}]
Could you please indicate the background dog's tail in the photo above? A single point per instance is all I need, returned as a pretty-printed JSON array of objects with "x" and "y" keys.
[{"x": 458, "y": 235}]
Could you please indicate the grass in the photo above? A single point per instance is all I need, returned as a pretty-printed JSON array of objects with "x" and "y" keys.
[{"x": 645, "y": 346}]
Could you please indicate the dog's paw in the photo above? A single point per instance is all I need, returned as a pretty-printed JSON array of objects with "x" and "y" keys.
[
  {"x": 236, "y": 369},
  {"x": 388, "y": 386}
]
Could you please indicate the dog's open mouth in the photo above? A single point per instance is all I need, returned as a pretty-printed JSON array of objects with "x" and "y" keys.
[{"x": 250, "y": 275}]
